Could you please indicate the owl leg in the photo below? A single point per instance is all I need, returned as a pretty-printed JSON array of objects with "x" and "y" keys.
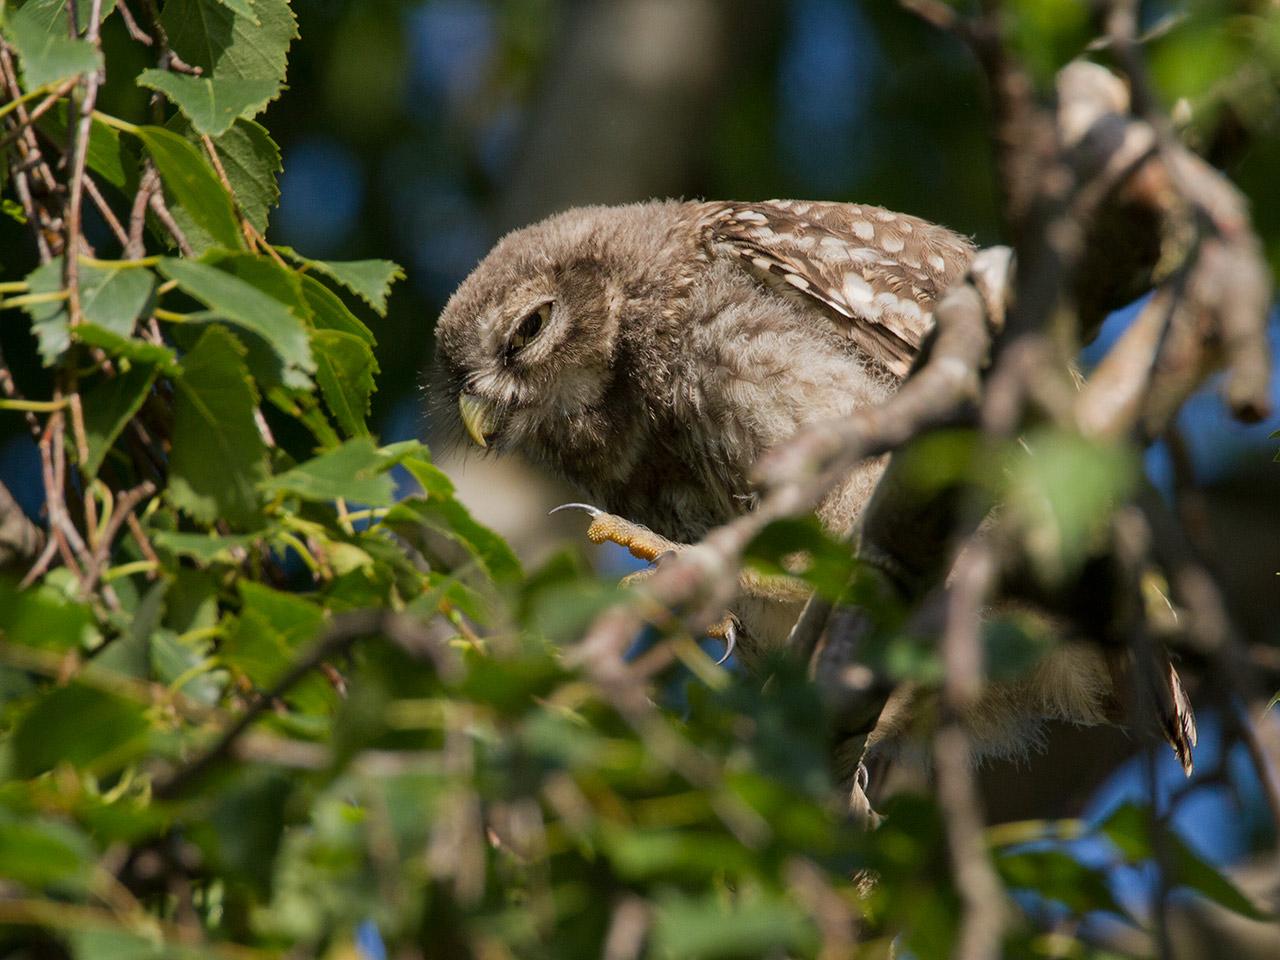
[
  {"x": 650, "y": 547},
  {"x": 643, "y": 544}
]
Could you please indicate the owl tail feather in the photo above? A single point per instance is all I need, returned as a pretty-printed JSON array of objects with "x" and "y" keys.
[{"x": 1177, "y": 719}]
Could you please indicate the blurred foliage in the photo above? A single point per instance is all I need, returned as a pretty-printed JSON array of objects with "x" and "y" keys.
[{"x": 454, "y": 781}]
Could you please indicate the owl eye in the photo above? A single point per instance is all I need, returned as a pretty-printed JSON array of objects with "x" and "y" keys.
[{"x": 529, "y": 328}]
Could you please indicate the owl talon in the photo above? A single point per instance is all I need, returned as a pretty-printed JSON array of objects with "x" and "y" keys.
[
  {"x": 726, "y": 629},
  {"x": 590, "y": 510},
  {"x": 642, "y": 542}
]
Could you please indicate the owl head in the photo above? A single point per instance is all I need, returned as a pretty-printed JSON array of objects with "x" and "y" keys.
[{"x": 528, "y": 348}]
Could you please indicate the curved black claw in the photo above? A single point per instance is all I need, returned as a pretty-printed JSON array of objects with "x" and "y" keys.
[{"x": 590, "y": 510}]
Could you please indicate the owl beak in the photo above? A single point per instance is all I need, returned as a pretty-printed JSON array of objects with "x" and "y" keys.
[{"x": 479, "y": 417}]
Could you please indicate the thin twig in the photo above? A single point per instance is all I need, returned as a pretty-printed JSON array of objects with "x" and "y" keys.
[{"x": 423, "y": 640}]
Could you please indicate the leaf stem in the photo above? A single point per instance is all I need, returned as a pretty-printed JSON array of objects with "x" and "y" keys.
[{"x": 34, "y": 406}]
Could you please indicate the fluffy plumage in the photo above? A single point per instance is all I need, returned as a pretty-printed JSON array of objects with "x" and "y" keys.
[{"x": 651, "y": 354}]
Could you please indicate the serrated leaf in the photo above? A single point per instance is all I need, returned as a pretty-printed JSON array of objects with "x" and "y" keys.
[
  {"x": 212, "y": 105},
  {"x": 242, "y": 303},
  {"x": 195, "y": 187},
  {"x": 80, "y": 725},
  {"x": 434, "y": 481},
  {"x": 354, "y": 471},
  {"x": 218, "y": 455},
  {"x": 370, "y": 280},
  {"x": 129, "y": 348},
  {"x": 229, "y": 44},
  {"x": 345, "y": 368},
  {"x": 242, "y": 7},
  {"x": 51, "y": 15},
  {"x": 109, "y": 406},
  {"x": 330, "y": 313},
  {"x": 203, "y": 548},
  {"x": 251, "y": 161},
  {"x": 111, "y": 298},
  {"x": 48, "y": 55}
]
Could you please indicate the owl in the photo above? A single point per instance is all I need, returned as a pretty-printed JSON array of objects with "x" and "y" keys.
[{"x": 650, "y": 354}]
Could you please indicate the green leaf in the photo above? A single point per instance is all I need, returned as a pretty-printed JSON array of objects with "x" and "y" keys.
[
  {"x": 218, "y": 455},
  {"x": 202, "y": 548},
  {"x": 251, "y": 161},
  {"x": 242, "y": 7},
  {"x": 272, "y": 631},
  {"x": 42, "y": 853},
  {"x": 1057, "y": 876},
  {"x": 212, "y": 105},
  {"x": 110, "y": 297},
  {"x": 370, "y": 280},
  {"x": 44, "y": 617},
  {"x": 330, "y": 313},
  {"x": 1129, "y": 826},
  {"x": 106, "y": 943},
  {"x": 108, "y": 406},
  {"x": 345, "y": 369},
  {"x": 434, "y": 481},
  {"x": 80, "y": 725},
  {"x": 1061, "y": 488},
  {"x": 452, "y": 520},
  {"x": 710, "y": 927},
  {"x": 355, "y": 471},
  {"x": 228, "y": 43},
  {"x": 133, "y": 349},
  {"x": 195, "y": 187},
  {"x": 52, "y": 14},
  {"x": 244, "y": 304},
  {"x": 48, "y": 54}
]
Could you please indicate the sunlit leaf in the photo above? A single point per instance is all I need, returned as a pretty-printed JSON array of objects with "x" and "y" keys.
[
  {"x": 195, "y": 187},
  {"x": 47, "y": 53},
  {"x": 212, "y": 105},
  {"x": 355, "y": 470},
  {"x": 370, "y": 280}
]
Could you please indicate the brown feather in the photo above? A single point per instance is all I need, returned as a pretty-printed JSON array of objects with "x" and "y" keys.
[{"x": 878, "y": 272}]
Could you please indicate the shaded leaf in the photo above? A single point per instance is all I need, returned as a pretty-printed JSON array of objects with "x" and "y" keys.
[
  {"x": 212, "y": 105},
  {"x": 41, "y": 853},
  {"x": 108, "y": 406},
  {"x": 218, "y": 455},
  {"x": 251, "y": 161},
  {"x": 109, "y": 155},
  {"x": 1129, "y": 828},
  {"x": 227, "y": 42},
  {"x": 80, "y": 725}
]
